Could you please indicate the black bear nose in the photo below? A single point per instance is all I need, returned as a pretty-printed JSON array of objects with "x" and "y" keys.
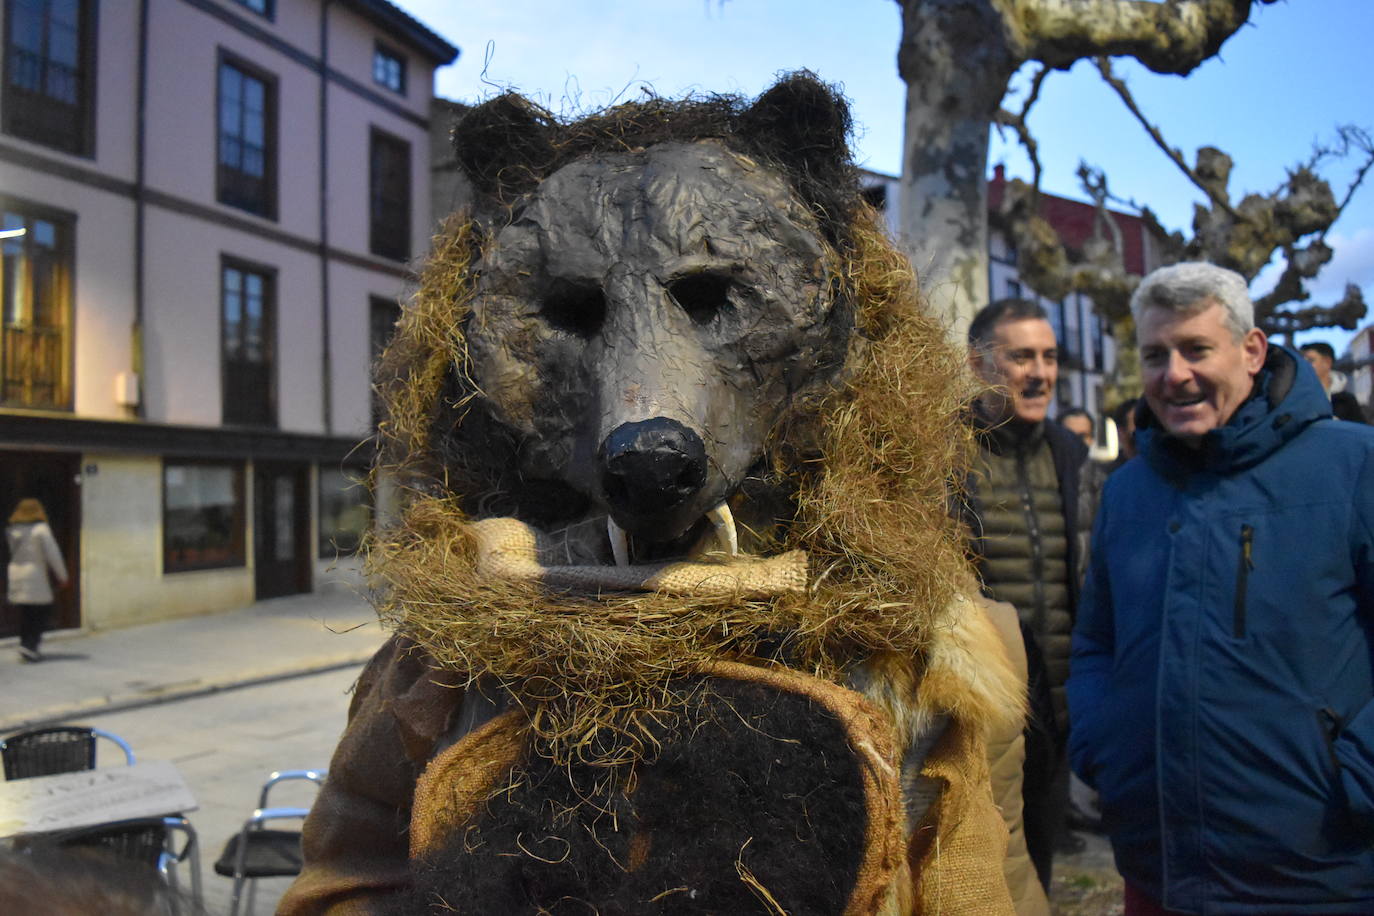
[{"x": 651, "y": 466}]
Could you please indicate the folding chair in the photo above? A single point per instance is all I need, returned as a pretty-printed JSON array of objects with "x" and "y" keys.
[
  {"x": 58, "y": 749},
  {"x": 259, "y": 852}
]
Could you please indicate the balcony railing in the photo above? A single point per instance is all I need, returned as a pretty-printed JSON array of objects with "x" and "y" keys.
[{"x": 33, "y": 362}]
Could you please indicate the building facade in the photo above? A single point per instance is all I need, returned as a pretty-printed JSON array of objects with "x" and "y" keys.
[
  {"x": 1087, "y": 350},
  {"x": 210, "y": 208},
  {"x": 1359, "y": 354}
]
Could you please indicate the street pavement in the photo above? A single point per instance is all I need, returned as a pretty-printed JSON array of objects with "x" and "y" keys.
[
  {"x": 226, "y": 744},
  {"x": 86, "y": 674},
  {"x": 227, "y": 697}
]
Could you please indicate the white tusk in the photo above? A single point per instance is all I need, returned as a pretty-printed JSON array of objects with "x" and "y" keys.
[
  {"x": 725, "y": 528},
  {"x": 620, "y": 544}
]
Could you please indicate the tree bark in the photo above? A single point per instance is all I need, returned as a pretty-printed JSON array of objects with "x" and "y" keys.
[{"x": 957, "y": 57}]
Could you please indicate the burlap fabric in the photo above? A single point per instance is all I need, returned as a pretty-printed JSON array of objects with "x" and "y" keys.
[{"x": 507, "y": 548}]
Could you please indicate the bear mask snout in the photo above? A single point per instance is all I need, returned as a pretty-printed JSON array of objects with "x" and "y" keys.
[{"x": 651, "y": 467}]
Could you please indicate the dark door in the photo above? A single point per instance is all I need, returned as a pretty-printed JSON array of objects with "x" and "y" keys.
[
  {"x": 51, "y": 478},
  {"x": 281, "y": 530}
]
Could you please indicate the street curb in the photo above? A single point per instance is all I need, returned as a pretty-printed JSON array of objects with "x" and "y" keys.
[{"x": 184, "y": 690}]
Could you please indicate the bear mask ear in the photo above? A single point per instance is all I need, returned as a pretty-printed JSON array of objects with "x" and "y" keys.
[
  {"x": 505, "y": 145},
  {"x": 803, "y": 124}
]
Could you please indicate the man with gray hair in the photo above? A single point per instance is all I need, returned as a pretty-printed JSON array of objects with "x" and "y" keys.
[{"x": 1222, "y": 686}]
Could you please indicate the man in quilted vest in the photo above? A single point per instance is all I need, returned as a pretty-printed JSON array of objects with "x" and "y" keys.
[{"x": 1023, "y": 514}]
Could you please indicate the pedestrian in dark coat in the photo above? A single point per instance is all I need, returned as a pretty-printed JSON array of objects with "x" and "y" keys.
[{"x": 1222, "y": 691}]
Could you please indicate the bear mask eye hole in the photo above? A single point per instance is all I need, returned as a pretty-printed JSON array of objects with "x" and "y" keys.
[
  {"x": 577, "y": 308},
  {"x": 702, "y": 296}
]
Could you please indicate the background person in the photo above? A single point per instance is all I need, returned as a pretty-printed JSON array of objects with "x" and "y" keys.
[
  {"x": 1023, "y": 517},
  {"x": 1322, "y": 358},
  {"x": 1222, "y": 691},
  {"x": 33, "y": 554},
  {"x": 1345, "y": 406},
  {"x": 1079, "y": 422},
  {"x": 1123, "y": 415}
]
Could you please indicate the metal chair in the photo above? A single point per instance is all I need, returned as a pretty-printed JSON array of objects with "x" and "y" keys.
[
  {"x": 259, "y": 852},
  {"x": 72, "y": 749},
  {"x": 58, "y": 749},
  {"x": 148, "y": 841}
]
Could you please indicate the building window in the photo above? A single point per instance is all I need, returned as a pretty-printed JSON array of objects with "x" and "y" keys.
[
  {"x": 1099, "y": 332},
  {"x": 248, "y": 309},
  {"x": 1013, "y": 289},
  {"x": 261, "y": 7},
  {"x": 1070, "y": 347},
  {"x": 389, "y": 184},
  {"x": 247, "y": 175},
  {"x": 202, "y": 515},
  {"x": 384, "y": 315},
  {"x": 345, "y": 511},
  {"x": 35, "y": 314},
  {"x": 389, "y": 69},
  {"x": 49, "y": 73}
]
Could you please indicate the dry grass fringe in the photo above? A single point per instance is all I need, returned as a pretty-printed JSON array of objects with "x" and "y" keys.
[{"x": 870, "y": 463}]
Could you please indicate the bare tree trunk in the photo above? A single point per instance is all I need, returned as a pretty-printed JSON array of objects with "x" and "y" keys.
[
  {"x": 957, "y": 57},
  {"x": 956, "y": 66}
]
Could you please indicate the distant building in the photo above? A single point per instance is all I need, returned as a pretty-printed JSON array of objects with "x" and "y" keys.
[
  {"x": 1359, "y": 352},
  {"x": 450, "y": 189},
  {"x": 1088, "y": 353},
  {"x": 209, "y": 209}
]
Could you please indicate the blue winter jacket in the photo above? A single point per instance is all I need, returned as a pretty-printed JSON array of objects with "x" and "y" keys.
[{"x": 1222, "y": 687}]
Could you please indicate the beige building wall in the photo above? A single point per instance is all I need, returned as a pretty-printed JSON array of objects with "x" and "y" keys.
[
  {"x": 182, "y": 317},
  {"x": 351, "y": 41},
  {"x": 351, "y": 293},
  {"x": 183, "y": 77},
  {"x": 121, "y": 551},
  {"x": 350, "y": 132},
  {"x": 103, "y": 309},
  {"x": 186, "y": 234}
]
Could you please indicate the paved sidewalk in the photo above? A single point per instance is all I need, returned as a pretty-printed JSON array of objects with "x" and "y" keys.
[{"x": 85, "y": 674}]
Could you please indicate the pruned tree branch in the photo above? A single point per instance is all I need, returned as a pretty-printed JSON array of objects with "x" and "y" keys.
[
  {"x": 1094, "y": 182},
  {"x": 1349, "y": 139},
  {"x": 1017, "y": 122},
  {"x": 1208, "y": 184},
  {"x": 1344, "y": 314},
  {"x": 1171, "y": 37}
]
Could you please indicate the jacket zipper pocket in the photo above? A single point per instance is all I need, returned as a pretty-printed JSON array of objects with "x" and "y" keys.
[
  {"x": 1331, "y": 728},
  {"x": 1243, "y": 567}
]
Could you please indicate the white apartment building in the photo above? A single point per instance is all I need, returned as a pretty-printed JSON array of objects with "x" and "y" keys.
[{"x": 209, "y": 210}]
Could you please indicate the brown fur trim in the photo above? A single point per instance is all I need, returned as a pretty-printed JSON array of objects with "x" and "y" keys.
[{"x": 967, "y": 672}]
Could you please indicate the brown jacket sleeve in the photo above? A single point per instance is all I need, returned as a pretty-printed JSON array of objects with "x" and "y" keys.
[
  {"x": 357, "y": 836},
  {"x": 1006, "y": 761}
]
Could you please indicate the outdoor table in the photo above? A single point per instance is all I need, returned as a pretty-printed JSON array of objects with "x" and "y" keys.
[{"x": 86, "y": 798}]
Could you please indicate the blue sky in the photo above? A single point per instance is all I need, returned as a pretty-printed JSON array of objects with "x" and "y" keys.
[{"x": 1281, "y": 84}]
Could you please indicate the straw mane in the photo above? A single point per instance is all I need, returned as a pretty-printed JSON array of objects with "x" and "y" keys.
[{"x": 861, "y": 471}]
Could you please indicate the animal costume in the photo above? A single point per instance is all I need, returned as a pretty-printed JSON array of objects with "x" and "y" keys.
[{"x": 681, "y": 616}]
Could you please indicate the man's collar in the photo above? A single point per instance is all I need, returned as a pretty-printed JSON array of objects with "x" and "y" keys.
[{"x": 1008, "y": 435}]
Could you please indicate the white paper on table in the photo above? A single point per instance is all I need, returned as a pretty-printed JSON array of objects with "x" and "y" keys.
[{"x": 88, "y": 797}]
